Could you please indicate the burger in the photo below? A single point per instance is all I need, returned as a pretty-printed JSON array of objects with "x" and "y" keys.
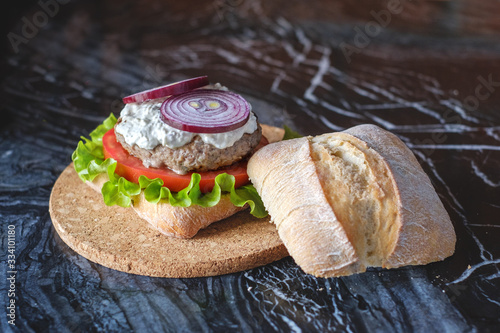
[{"x": 177, "y": 155}]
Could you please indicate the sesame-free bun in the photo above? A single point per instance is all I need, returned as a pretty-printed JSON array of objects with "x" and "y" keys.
[{"x": 349, "y": 200}]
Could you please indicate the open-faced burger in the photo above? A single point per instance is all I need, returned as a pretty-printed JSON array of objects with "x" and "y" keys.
[{"x": 177, "y": 154}]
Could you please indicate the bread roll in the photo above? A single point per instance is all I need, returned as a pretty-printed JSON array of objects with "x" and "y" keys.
[
  {"x": 346, "y": 201},
  {"x": 180, "y": 222}
]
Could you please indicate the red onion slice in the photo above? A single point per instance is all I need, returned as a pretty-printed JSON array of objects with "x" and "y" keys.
[
  {"x": 168, "y": 90},
  {"x": 205, "y": 111}
]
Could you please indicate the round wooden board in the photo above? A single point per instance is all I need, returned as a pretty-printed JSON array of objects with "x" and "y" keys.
[{"x": 117, "y": 238}]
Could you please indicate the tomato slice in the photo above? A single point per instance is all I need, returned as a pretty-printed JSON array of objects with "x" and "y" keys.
[{"x": 130, "y": 167}]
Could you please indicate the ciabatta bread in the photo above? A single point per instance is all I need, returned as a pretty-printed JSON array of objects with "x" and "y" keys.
[
  {"x": 180, "y": 222},
  {"x": 350, "y": 200}
]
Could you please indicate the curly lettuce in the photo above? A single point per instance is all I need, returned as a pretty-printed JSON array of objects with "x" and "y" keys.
[{"x": 89, "y": 162}]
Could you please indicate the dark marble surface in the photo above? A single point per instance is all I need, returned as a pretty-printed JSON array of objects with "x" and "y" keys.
[{"x": 431, "y": 75}]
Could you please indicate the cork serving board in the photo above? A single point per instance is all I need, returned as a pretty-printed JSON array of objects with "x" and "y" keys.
[{"x": 117, "y": 238}]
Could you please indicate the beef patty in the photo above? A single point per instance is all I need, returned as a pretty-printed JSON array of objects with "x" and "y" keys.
[{"x": 194, "y": 156}]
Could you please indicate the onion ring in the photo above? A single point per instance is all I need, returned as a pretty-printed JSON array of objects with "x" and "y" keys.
[
  {"x": 205, "y": 111},
  {"x": 168, "y": 90}
]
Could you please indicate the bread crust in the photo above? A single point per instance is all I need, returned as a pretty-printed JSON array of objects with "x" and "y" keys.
[
  {"x": 180, "y": 222},
  {"x": 183, "y": 222},
  {"x": 379, "y": 210},
  {"x": 305, "y": 222}
]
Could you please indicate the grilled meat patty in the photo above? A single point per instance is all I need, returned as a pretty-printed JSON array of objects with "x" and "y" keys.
[{"x": 194, "y": 156}]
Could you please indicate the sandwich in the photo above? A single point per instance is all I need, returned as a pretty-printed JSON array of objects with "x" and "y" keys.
[
  {"x": 177, "y": 155},
  {"x": 188, "y": 154}
]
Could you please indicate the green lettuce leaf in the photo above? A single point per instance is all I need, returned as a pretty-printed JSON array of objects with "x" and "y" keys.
[
  {"x": 89, "y": 162},
  {"x": 290, "y": 134}
]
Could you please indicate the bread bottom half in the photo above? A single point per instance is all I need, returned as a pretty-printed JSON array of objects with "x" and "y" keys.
[{"x": 179, "y": 222}]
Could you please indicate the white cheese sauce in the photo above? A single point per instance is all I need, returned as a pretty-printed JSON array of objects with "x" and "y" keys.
[{"x": 141, "y": 125}]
